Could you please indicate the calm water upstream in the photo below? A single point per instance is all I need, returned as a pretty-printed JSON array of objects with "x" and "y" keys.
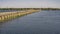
[{"x": 44, "y": 22}]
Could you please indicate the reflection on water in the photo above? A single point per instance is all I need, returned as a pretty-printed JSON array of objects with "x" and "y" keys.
[{"x": 44, "y": 22}]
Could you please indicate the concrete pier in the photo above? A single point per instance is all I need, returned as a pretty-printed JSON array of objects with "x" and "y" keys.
[{"x": 11, "y": 15}]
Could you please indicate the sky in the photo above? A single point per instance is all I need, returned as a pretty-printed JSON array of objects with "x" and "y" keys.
[{"x": 29, "y": 3}]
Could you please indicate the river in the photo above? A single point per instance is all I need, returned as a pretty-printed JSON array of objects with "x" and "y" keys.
[{"x": 43, "y": 22}]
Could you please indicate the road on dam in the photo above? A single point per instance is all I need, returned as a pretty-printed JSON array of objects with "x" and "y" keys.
[{"x": 43, "y": 22}]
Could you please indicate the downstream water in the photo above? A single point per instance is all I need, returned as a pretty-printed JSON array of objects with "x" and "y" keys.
[{"x": 43, "y": 22}]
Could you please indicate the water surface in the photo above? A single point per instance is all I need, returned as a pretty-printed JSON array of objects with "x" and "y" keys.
[{"x": 43, "y": 22}]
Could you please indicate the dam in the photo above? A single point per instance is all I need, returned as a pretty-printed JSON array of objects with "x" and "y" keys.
[{"x": 4, "y": 16}]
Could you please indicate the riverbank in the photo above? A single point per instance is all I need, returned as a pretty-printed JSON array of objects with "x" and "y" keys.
[{"x": 4, "y": 16}]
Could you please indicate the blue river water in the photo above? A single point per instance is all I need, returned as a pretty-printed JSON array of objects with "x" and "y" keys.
[{"x": 43, "y": 22}]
